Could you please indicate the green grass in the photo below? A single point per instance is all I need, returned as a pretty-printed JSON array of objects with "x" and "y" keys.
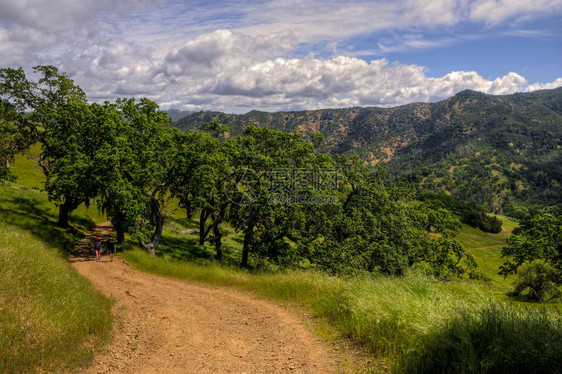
[
  {"x": 29, "y": 209},
  {"x": 396, "y": 319},
  {"x": 50, "y": 317},
  {"x": 179, "y": 245},
  {"x": 496, "y": 339},
  {"x": 486, "y": 249},
  {"x": 473, "y": 238}
]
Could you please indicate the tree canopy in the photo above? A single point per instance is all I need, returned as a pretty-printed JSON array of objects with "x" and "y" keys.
[{"x": 294, "y": 203}]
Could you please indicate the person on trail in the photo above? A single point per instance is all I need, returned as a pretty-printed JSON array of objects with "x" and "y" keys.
[
  {"x": 97, "y": 248},
  {"x": 110, "y": 246}
]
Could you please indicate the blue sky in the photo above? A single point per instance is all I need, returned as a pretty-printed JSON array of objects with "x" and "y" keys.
[{"x": 288, "y": 54}]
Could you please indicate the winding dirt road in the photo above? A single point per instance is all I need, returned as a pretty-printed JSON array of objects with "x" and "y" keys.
[{"x": 168, "y": 326}]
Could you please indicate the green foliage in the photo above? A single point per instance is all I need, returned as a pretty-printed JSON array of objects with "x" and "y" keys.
[
  {"x": 476, "y": 217},
  {"x": 365, "y": 227},
  {"x": 539, "y": 237},
  {"x": 15, "y": 137},
  {"x": 538, "y": 280},
  {"x": 471, "y": 214},
  {"x": 537, "y": 243},
  {"x": 59, "y": 121},
  {"x": 448, "y": 259},
  {"x": 216, "y": 128},
  {"x": 374, "y": 232},
  {"x": 138, "y": 163},
  {"x": 433, "y": 216}
]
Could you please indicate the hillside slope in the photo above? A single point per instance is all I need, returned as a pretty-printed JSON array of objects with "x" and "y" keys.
[{"x": 493, "y": 150}]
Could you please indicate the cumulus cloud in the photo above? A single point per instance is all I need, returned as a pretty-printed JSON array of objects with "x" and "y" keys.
[
  {"x": 29, "y": 26},
  {"x": 544, "y": 86},
  {"x": 237, "y": 76},
  {"x": 255, "y": 65},
  {"x": 223, "y": 49},
  {"x": 113, "y": 69}
]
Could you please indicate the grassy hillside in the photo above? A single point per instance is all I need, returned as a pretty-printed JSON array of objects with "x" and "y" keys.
[
  {"x": 50, "y": 317},
  {"x": 486, "y": 249},
  {"x": 492, "y": 150}
]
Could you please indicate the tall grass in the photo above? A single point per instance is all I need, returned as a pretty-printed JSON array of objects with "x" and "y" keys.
[
  {"x": 50, "y": 317},
  {"x": 411, "y": 323},
  {"x": 496, "y": 339}
]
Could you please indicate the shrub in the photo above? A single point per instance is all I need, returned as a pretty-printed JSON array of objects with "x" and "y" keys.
[{"x": 537, "y": 280}]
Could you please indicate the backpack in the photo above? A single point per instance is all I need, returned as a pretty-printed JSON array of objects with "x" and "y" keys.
[{"x": 97, "y": 246}]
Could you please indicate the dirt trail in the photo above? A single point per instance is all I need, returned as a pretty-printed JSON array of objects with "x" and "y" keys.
[{"x": 167, "y": 326}]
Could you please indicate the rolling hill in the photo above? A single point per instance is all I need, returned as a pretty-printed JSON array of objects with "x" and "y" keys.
[{"x": 499, "y": 151}]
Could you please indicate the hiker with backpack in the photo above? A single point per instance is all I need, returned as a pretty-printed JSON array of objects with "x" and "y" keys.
[
  {"x": 110, "y": 247},
  {"x": 97, "y": 248}
]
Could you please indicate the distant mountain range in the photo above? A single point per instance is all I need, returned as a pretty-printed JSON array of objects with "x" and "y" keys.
[{"x": 499, "y": 151}]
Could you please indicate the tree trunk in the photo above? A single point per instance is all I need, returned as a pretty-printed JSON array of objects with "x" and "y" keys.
[
  {"x": 158, "y": 231},
  {"x": 202, "y": 226},
  {"x": 120, "y": 236},
  {"x": 64, "y": 213},
  {"x": 246, "y": 248},
  {"x": 159, "y": 219},
  {"x": 248, "y": 238},
  {"x": 189, "y": 210},
  {"x": 147, "y": 247},
  {"x": 119, "y": 226},
  {"x": 218, "y": 241}
]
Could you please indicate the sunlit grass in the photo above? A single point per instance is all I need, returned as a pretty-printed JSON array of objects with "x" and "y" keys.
[
  {"x": 395, "y": 318},
  {"x": 50, "y": 317},
  {"x": 486, "y": 249}
]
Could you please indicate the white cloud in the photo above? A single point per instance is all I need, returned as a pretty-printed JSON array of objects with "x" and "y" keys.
[
  {"x": 31, "y": 29},
  {"x": 108, "y": 48},
  {"x": 52, "y": 16},
  {"x": 236, "y": 77},
  {"x": 320, "y": 20},
  {"x": 114, "y": 69},
  {"x": 224, "y": 50},
  {"x": 544, "y": 86},
  {"x": 496, "y": 11}
]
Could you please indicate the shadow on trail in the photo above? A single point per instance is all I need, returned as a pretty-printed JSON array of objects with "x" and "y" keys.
[{"x": 83, "y": 251}]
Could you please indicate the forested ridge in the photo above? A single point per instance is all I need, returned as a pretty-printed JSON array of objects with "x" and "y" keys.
[{"x": 498, "y": 151}]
